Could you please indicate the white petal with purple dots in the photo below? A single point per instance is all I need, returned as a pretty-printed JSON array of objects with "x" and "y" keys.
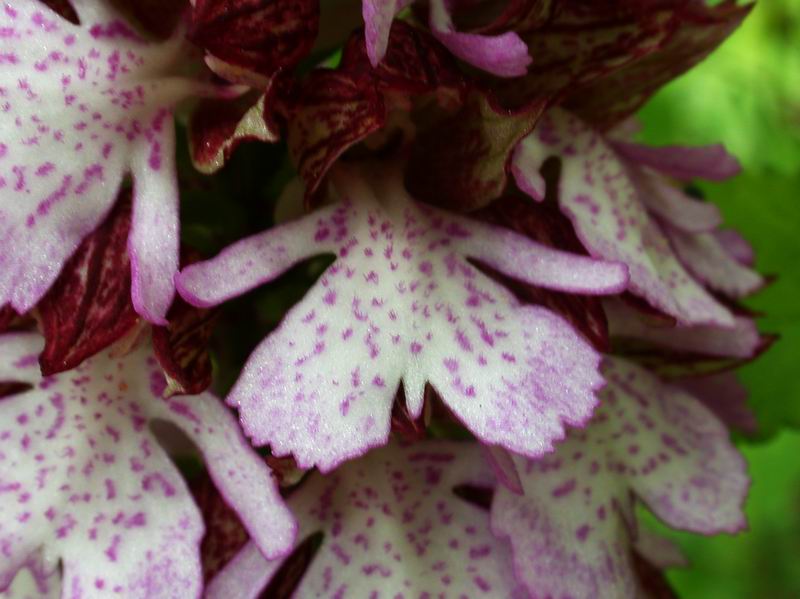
[
  {"x": 81, "y": 107},
  {"x": 596, "y": 192},
  {"x": 83, "y": 479},
  {"x": 392, "y": 526},
  {"x": 402, "y": 302},
  {"x": 574, "y": 528}
]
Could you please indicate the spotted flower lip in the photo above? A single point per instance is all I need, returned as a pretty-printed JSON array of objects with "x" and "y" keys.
[
  {"x": 571, "y": 531},
  {"x": 648, "y": 441},
  {"x": 84, "y": 479},
  {"x": 448, "y": 546},
  {"x": 403, "y": 303},
  {"x": 83, "y": 105}
]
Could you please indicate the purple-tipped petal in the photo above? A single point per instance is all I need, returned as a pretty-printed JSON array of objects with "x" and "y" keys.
[
  {"x": 392, "y": 525},
  {"x": 708, "y": 260},
  {"x": 684, "y": 163},
  {"x": 85, "y": 480},
  {"x": 597, "y": 194},
  {"x": 673, "y": 206},
  {"x": 504, "y": 55},
  {"x": 402, "y": 303},
  {"x": 83, "y": 105},
  {"x": 572, "y": 532},
  {"x": 378, "y": 16},
  {"x": 742, "y": 340}
]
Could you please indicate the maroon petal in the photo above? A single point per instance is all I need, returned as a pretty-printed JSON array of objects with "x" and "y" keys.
[
  {"x": 217, "y": 127},
  {"x": 332, "y": 110},
  {"x": 603, "y": 60},
  {"x": 182, "y": 348},
  {"x": 415, "y": 63},
  {"x": 691, "y": 32},
  {"x": 462, "y": 162},
  {"x": 264, "y": 36},
  {"x": 89, "y": 307},
  {"x": 225, "y": 534}
]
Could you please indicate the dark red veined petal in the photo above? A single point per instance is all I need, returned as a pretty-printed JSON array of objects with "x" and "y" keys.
[
  {"x": 225, "y": 534},
  {"x": 415, "y": 63},
  {"x": 217, "y": 127},
  {"x": 545, "y": 223},
  {"x": 265, "y": 36},
  {"x": 181, "y": 347},
  {"x": 331, "y": 111},
  {"x": 604, "y": 59},
  {"x": 692, "y": 33},
  {"x": 90, "y": 307},
  {"x": 461, "y": 163}
]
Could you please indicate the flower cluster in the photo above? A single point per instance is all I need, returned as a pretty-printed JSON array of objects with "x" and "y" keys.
[{"x": 524, "y": 323}]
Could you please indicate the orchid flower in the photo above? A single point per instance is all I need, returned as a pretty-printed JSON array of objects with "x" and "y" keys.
[
  {"x": 403, "y": 303},
  {"x": 82, "y": 107},
  {"x": 618, "y": 209},
  {"x": 84, "y": 481}
]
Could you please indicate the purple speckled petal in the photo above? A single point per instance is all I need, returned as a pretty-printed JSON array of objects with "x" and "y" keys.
[
  {"x": 742, "y": 340},
  {"x": 153, "y": 243},
  {"x": 392, "y": 525},
  {"x": 597, "y": 194},
  {"x": 708, "y": 260},
  {"x": 572, "y": 531},
  {"x": 504, "y": 55},
  {"x": 683, "y": 162},
  {"x": 378, "y": 16},
  {"x": 83, "y": 479},
  {"x": 402, "y": 303},
  {"x": 81, "y": 106}
]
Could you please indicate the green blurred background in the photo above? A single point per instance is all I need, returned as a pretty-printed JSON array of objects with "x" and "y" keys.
[{"x": 747, "y": 95}]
